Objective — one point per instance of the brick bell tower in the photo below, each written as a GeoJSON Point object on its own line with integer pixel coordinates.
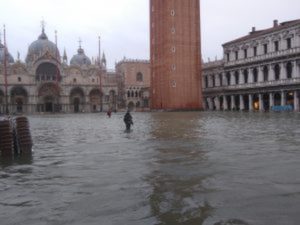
{"type": "Point", "coordinates": [175, 50]}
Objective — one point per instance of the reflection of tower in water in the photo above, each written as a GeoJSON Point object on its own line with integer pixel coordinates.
{"type": "Point", "coordinates": [179, 171]}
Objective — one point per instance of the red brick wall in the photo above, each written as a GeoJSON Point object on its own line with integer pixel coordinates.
{"type": "Point", "coordinates": [175, 54]}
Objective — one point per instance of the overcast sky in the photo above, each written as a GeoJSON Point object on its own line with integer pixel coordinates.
{"type": "Point", "coordinates": [124, 24]}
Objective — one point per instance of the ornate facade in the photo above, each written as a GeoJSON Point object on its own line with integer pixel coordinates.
{"type": "Point", "coordinates": [46, 83]}
{"type": "Point", "coordinates": [260, 71]}
{"type": "Point", "coordinates": [136, 83]}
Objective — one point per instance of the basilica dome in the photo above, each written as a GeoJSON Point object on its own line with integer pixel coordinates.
{"type": "Point", "coordinates": [39, 47]}
{"type": "Point", "coordinates": [10, 59]}
{"type": "Point", "coordinates": [80, 59]}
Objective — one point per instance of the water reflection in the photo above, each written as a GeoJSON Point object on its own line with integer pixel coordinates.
{"type": "Point", "coordinates": [177, 178]}
{"type": "Point", "coordinates": [26, 159]}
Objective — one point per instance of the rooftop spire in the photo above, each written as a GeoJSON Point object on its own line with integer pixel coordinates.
{"type": "Point", "coordinates": [43, 24]}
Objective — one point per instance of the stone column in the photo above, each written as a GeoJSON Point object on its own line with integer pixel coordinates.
{"type": "Point", "coordinates": [225, 103]}
{"type": "Point", "coordinates": [250, 76]}
{"type": "Point", "coordinates": [242, 78]}
{"type": "Point", "coordinates": [283, 74]}
{"type": "Point", "coordinates": [296, 101]}
{"type": "Point", "coordinates": [271, 73]}
{"type": "Point", "coordinates": [210, 103]}
{"type": "Point", "coordinates": [242, 103]}
{"type": "Point", "coordinates": [260, 74]}
{"type": "Point", "coordinates": [283, 98]}
{"type": "Point", "coordinates": [217, 103]}
{"type": "Point", "coordinates": [261, 103]}
{"type": "Point", "coordinates": [232, 102]}
{"type": "Point", "coordinates": [250, 102]}
{"type": "Point", "coordinates": [232, 78]}
{"type": "Point", "coordinates": [296, 72]}
{"type": "Point", "coordinates": [271, 99]}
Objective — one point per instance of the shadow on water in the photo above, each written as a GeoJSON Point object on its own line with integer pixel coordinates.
{"type": "Point", "coordinates": [177, 178]}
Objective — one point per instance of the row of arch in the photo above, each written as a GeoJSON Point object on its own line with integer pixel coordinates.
{"type": "Point", "coordinates": [234, 78]}
{"type": "Point", "coordinates": [254, 102]}
{"type": "Point", "coordinates": [49, 98]}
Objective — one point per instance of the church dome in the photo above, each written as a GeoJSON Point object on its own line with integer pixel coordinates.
{"type": "Point", "coordinates": [10, 59]}
{"type": "Point", "coordinates": [80, 59]}
{"type": "Point", "coordinates": [39, 47]}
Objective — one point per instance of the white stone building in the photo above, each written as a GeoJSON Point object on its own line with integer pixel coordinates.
{"type": "Point", "coordinates": [260, 71]}
{"type": "Point", "coordinates": [47, 83]}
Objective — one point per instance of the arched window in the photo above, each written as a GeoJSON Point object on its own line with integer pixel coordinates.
{"type": "Point", "coordinates": [277, 72]}
{"type": "Point", "coordinates": [237, 77]}
{"type": "Point", "coordinates": [74, 80]}
{"type": "Point", "coordinates": [139, 77]}
{"type": "Point", "coordinates": [136, 94]}
{"type": "Point", "coordinates": [132, 94]}
{"type": "Point", "coordinates": [246, 76]}
{"type": "Point", "coordinates": [255, 75]}
{"type": "Point", "coordinates": [228, 78]}
{"type": "Point", "coordinates": [19, 79]}
{"type": "Point", "coordinates": [206, 82]}
{"type": "Point", "coordinates": [213, 81]}
{"type": "Point", "coordinates": [289, 70]}
{"type": "Point", "coordinates": [266, 73]}
{"type": "Point", "coordinates": [128, 94]}
{"type": "Point", "coordinates": [221, 80]}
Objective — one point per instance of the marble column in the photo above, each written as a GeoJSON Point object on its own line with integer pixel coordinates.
{"type": "Point", "coordinates": [271, 99]}
{"type": "Point", "coordinates": [271, 73]}
{"type": "Point", "coordinates": [260, 74]}
{"type": "Point", "coordinates": [250, 76]}
{"type": "Point", "coordinates": [210, 104]}
{"type": "Point", "coordinates": [261, 102]}
{"type": "Point", "coordinates": [232, 78]}
{"type": "Point", "coordinates": [283, 74]}
{"type": "Point", "coordinates": [283, 98]}
{"type": "Point", "coordinates": [232, 102]}
{"type": "Point", "coordinates": [225, 103]}
{"type": "Point", "coordinates": [217, 103]}
{"type": "Point", "coordinates": [242, 103]}
{"type": "Point", "coordinates": [241, 77]}
{"type": "Point", "coordinates": [296, 101]}
{"type": "Point", "coordinates": [250, 102]}
{"type": "Point", "coordinates": [296, 69]}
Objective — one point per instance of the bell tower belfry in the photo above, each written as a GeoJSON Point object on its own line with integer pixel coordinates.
{"type": "Point", "coordinates": [175, 50]}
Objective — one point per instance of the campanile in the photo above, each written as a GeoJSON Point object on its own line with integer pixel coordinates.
{"type": "Point", "coordinates": [175, 55]}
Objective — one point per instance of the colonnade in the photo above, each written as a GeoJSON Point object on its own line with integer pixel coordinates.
{"type": "Point", "coordinates": [254, 101]}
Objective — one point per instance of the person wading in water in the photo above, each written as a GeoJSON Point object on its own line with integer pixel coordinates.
{"type": "Point", "coordinates": [128, 120]}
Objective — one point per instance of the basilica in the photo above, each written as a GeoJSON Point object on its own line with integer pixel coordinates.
{"type": "Point", "coordinates": [47, 83]}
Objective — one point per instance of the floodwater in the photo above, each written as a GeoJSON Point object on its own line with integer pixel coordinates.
{"type": "Point", "coordinates": [191, 168]}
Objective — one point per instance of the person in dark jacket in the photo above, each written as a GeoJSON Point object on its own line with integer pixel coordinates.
{"type": "Point", "coordinates": [128, 120]}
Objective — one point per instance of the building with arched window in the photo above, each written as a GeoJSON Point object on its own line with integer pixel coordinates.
{"type": "Point", "coordinates": [136, 77]}
{"type": "Point", "coordinates": [47, 83]}
{"type": "Point", "coordinates": [267, 77]}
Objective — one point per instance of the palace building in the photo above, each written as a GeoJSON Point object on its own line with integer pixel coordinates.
{"type": "Point", "coordinates": [260, 71]}
{"type": "Point", "coordinates": [175, 55]}
{"type": "Point", "coordinates": [47, 83]}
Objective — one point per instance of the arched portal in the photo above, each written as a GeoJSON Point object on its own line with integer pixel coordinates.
{"type": "Point", "coordinates": [77, 99]}
{"type": "Point", "coordinates": [49, 96]}
{"type": "Point", "coordinates": [290, 98]}
{"type": "Point", "coordinates": [246, 102]}
{"type": "Point", "coordinates": [19, 99]}
{"type": "Point", "coordinates": [256, 102]}
{"type": "Point", "coordinates": [130, 106]}
{"type": "Point", "coordinates": [95, 98]}
{"type": "Point", "coordinates": [266, 102]}
{"type": "Point", "coordinates": [277, 99]}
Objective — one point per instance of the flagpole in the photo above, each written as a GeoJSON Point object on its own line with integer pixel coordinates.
{"type": "Point", "coordinates": [5, 71]}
